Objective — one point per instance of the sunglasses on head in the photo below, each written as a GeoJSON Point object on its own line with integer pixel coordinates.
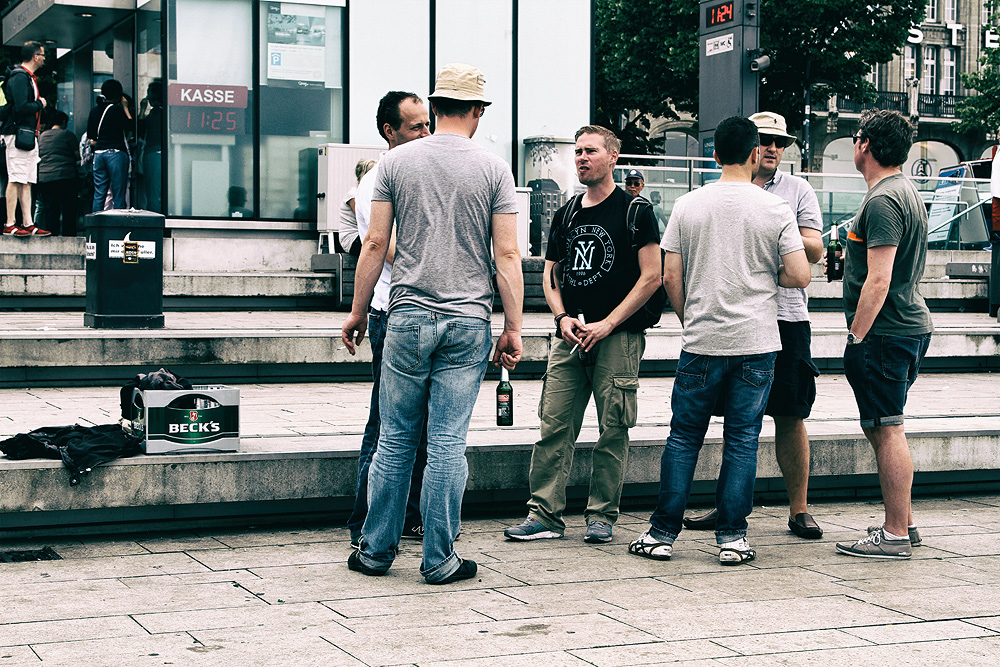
{"type": "Point", "coordinates": [768, 139]}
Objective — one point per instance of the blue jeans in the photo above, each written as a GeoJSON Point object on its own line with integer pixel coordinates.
{"type": "Point", "coordinates": [744, 383]}
{"type": "Point", "coordinates": [110, 171]}
{"type": "Point", "coordinates": [432, 369]}
{"type": "Point", "coordinates": [369, 443]}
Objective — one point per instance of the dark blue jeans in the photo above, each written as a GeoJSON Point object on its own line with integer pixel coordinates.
{"type": "Point", "coordinates": [110, 171]}
{"type": "Point", "coordinates": [881, 370]}
{"type": "Point", "coordinates": [369, 443]}
{"type": "Point", "coordinates": [744, 383]}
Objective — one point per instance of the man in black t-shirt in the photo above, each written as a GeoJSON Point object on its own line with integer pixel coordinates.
{"type": "Point", "coordinates": [598, 275]}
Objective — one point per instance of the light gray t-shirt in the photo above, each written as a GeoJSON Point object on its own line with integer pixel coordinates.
{"type": "Point", "coordinates": [793, 304]}
{"type": "Point", "coordinates": [731, 237]}
{"type": "Point", "coordinates": [444, 190]}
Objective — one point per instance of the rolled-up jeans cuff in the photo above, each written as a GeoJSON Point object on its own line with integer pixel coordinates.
{"type": "Point", "coordinates": [373, 563]}
{"type": "Point", "coordinates": [442, 570]}
{"type": "Point", "coordinates": [662, 536]}
{"type": "Point", "coordinates": [729, 536]}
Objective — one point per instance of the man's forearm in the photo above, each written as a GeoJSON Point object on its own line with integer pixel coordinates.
{"type": "Point", "coordinates": [634, 300]}
{"type": "Point", "coordinates": [366, 275]}
{"type": "Point", "coordinates": [869, 304]}
{"type": "Point", "coordinates": [675, 292]}
{"type": "Point", "coordinates": [510, 283]}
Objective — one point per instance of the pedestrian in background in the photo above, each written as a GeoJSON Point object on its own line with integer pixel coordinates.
{"type": "Point", "coordinates": [347, 236]}
{"type": "Point", "coordinates": [106, 129]}
{"type": "Point", "coordinates": [58, 164]}
{"type": "Point", "coordinates": [20, 134]}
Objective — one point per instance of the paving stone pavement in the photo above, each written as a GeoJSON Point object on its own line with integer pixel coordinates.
{"type": "Point", "coordinates": [284, 596]}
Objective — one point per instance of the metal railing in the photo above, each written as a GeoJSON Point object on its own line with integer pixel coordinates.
{"type": "Point", "coordinates": [840, 194]}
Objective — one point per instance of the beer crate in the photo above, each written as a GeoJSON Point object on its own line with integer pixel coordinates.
{"type": "Point", "coordinates": [205, 418]}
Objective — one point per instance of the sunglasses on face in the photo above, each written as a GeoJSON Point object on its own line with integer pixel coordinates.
{"type": "Point", "coordinates": [856, 138]}
{"type": "Point", "coordinates": [768, 139]}
{"type": "Point", "coordinates": [632, 183]}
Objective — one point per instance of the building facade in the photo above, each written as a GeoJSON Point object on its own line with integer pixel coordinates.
{"type": "Point", "coordinates": [234, 97]}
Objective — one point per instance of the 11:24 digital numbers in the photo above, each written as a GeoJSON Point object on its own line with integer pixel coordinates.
{"type": "Point", "coordinates": [718, 14]}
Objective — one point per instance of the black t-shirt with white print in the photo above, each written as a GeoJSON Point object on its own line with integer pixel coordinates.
{"type": "Point", "coordinates": [598, 264]}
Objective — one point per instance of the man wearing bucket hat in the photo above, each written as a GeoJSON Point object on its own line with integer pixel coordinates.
{"type": "Point", "coordinates": [453, 201]}
{"type": "Point", "coordinates": [794, 389]}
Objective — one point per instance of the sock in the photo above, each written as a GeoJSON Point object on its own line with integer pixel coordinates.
{"type": "Point", "coordinates": [890, 536]}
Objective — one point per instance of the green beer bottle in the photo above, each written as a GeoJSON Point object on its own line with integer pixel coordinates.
{"type": "Point", "coordinates": [505, 400]}
{"type": "Point", "coordinates": [834, 256]}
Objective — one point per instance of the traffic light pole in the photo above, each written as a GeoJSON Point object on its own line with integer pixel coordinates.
{"type": "Point", "coordinates": [730, 62]}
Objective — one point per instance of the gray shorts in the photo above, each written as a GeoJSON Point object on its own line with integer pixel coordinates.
{"type": "Point", "coordinates": [22, 166]}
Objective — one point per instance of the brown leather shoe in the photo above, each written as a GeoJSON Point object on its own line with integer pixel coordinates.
{"type": "Point", "coordinates": [805, 526]}
{"type": "Point", "coordinates": [702, 522]}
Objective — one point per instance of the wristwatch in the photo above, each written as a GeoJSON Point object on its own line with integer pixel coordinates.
{"type": "Point", "coordinates": [853, 339]}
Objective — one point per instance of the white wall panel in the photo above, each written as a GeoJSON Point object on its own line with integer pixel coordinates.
{"type": "Point", "coordinates": [390, 50]}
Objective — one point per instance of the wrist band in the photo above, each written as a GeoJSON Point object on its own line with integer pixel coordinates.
{"type": "Point", "coordinates": [559, 317]}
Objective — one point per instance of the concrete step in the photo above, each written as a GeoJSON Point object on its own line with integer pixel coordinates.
{"type": "Point", "coordinates": [55, 348]}
{"type": "Point", "coordinates": [300, 445]}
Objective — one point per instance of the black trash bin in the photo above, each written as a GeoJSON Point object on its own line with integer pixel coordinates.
{"type": "Point", "coordinates": [124, 270]}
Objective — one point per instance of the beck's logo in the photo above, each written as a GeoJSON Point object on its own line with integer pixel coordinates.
{"type": "Point", "coordinates": [193, 415]}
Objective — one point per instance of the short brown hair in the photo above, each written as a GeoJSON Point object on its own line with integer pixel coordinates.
{"type": "Point", "coordinates": [612, 143]}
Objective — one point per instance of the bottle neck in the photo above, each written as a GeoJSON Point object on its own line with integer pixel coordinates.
{"type": "Point", "coordinates": [504, 375]}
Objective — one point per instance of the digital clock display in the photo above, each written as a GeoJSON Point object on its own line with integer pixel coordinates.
{"type": "Point", "coordinates": [719, 14]}
{"type": "Point", "coordinates": [207, 120]}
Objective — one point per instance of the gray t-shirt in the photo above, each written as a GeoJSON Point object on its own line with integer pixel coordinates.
{"type": "Point", "coordinates": [793, 304]}
{"type": "Point", "coordinates": [892, 213]}
{"type": "Point", "coordinates": [444, 190]}
{"type": "Point", "coordinates": [731, 237]}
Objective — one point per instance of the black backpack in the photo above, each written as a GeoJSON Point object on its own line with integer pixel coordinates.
{"type": "Point", "coordinates": [651, 311]}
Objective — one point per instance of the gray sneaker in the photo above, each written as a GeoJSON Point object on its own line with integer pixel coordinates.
{"type": "Point", "coordinates": [915, 540]}
{"type": "Point", "coordinates": [531, 529]}
{"type": "Point", "coordinates": [598, 532]}
{"type": "Point", "coordinates": [875, 545]}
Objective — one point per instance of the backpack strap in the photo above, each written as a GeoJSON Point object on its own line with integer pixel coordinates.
{"type": "Point", "coordinates": [635, 207]}
{"type": "Point", "coordinates": [562, 225]}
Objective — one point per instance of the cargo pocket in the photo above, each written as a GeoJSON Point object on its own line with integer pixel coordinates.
{"type": "Point", "coordinates": [622, 409]}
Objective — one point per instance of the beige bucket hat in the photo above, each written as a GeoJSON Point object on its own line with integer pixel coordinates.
{"type": "Point", "coordinates": [458, 81]}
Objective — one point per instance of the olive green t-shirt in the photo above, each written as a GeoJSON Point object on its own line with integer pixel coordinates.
{"type": "Point", "coordinates": [892, 213]}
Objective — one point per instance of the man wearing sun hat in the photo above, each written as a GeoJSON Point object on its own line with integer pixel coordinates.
{"type": "Point", "coordinates": [453, 202]}
{"type": "Point", "coordinates": [794, 389]}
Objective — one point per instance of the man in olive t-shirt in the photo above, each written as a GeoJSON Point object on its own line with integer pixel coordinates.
{"type": "Point", "coordinates": [889, 323]}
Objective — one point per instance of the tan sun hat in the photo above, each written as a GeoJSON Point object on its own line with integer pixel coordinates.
{"type": "Point", "coordinates": [458, 81]}
{"type": "Point", "coordinates": [771, 123]}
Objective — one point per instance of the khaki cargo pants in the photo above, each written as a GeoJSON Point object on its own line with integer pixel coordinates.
{"type": "Point", "coordinates": [613, 381]}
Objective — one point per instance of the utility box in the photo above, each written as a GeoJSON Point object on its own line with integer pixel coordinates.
{"type": "Point", "coordinates": [124, 262]}
{"type": "Point", "coordinates": [205, 418]}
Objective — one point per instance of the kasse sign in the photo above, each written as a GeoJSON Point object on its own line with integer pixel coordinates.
{"type": "Point", "coordinates": [207, 95]}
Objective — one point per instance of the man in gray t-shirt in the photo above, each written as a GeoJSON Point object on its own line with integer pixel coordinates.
{"type": "Point", "coordinates": [794, 389]}
{"type": "Point", "coordinates": [453, 201]}
{"type": "Point", "coordinates": [728, 247]}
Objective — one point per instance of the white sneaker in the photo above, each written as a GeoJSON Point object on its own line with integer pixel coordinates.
{"type": "Point", "coordinates": [736, 552]}
{"type": "Point", "coordinates": [648, 546]}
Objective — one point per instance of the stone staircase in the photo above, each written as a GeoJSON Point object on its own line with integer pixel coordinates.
{"type": "Point", "coordinates": [284, 274]}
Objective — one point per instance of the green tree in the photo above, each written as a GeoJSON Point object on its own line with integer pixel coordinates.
{"type": "Point", "coordinates": [647, 55]}
{"type": "Point", "coordinates": [982, 111]}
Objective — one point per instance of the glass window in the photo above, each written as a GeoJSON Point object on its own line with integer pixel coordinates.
{"type": "Point", "coordinates": [951, 11]}
{"type": "Point", "coordinates": [948, 72]}
{"type": "Point", "coordinates": [209, 93]}
{"type": "Point", "coordinates": [909, 64]}
{"type": "Point", "coordinates": [151, 120]}
{"type": "Point", "coordinates": [931, 14]}
{"type": "Point", "coordinates": [301, 100]}
{"type": "Point", "coordinates": [929, 79]}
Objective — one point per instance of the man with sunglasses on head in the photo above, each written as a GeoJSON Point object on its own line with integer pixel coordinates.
{"type": "Point", "coordinates": [794, 389]}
